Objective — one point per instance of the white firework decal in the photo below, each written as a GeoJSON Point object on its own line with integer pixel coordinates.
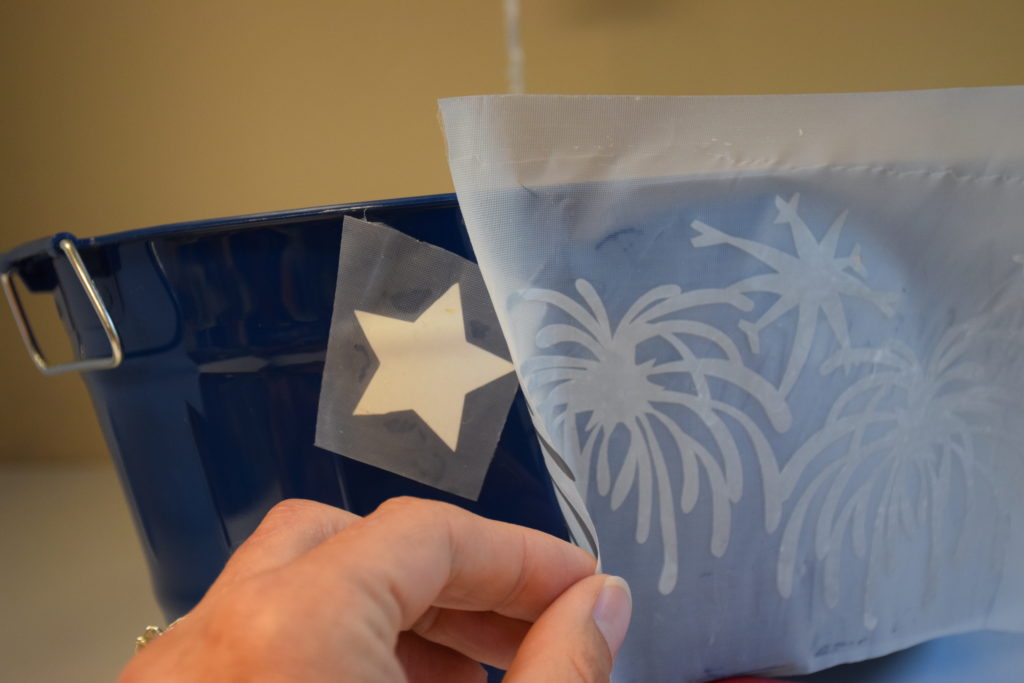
{"type": "Point", "coordinates": [906, 434]}
{"type": "Point", "coordinates": [595, 377]}
{"type": "Point", "coordinates": [811, 281]}
{"type": "Point", "coordinates": [903, 438]}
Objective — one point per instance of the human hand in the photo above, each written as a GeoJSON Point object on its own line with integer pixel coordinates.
{"type": "Point", "coordinates": [417, 590]}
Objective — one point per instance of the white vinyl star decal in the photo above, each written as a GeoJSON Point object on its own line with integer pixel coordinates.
{"type": "Point", "coordinates": [427, 366]}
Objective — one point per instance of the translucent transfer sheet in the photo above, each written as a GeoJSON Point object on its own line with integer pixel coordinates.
{"type": "Point", "coordinates": [775, 346]}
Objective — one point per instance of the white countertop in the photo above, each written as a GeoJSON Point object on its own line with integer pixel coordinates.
{"type": "Point", "coordinates": [74, 587]}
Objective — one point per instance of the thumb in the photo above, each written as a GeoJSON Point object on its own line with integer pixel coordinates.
{"type": "Point", "coordinates": [577, 636]}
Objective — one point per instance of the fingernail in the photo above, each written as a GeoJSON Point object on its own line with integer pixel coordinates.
{"type": "Point", "coordinates": [612, 610]}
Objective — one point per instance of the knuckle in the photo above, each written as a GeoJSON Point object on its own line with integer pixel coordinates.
{"type": "Point", "coordinates": [288, 515]}
{"type": "Point", "coordinates": [291, 510]}
{"type": "Point", "coordinates": [419, 515]}
{"type": "Point", "coordinates": [521, 581]}
{"type": "Point", "coordinates": [402, 504]}
{"type": "Point", "coordinates": [413, 507]}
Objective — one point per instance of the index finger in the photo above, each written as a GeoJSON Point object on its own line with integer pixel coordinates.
{"type": "Point", "coordinates": [411, 554]}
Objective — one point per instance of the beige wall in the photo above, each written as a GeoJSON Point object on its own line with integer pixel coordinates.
{"type": "Point", "coordinates": [121, 114]}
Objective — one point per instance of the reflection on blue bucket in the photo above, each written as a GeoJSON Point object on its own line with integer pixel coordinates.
{"type": "Point", "coordinates": [210, 416]}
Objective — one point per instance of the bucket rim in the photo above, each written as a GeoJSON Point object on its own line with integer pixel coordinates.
{"type": "Point", "coordinates": [205, 224]}
{"type": "Point", "coordinates": [46, 245]}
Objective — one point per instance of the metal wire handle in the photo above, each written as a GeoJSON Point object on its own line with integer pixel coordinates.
{"type": "Point", "coordinates": [82, 365]}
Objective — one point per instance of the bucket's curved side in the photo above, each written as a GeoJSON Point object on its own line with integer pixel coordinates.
{"type": "Point", "coordinates": [210, 418]}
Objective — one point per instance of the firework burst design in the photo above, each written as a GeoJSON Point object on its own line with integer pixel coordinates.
{"type": "Point", "coordinates": [590, 379]}
{"type": "Point", "coordinates": [908, 432]}
{"type": "Point", "coordinates": [812, 281]}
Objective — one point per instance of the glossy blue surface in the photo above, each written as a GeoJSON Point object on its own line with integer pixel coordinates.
{"type": "Point", "coordinates": [211, 416]}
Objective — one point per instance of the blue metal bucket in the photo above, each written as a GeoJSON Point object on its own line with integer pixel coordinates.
{"type": "Point", "coordinates": [202, 346]}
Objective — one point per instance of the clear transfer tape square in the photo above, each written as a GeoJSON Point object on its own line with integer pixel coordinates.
{"type": "Point", "coordinates": [417, 379]}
